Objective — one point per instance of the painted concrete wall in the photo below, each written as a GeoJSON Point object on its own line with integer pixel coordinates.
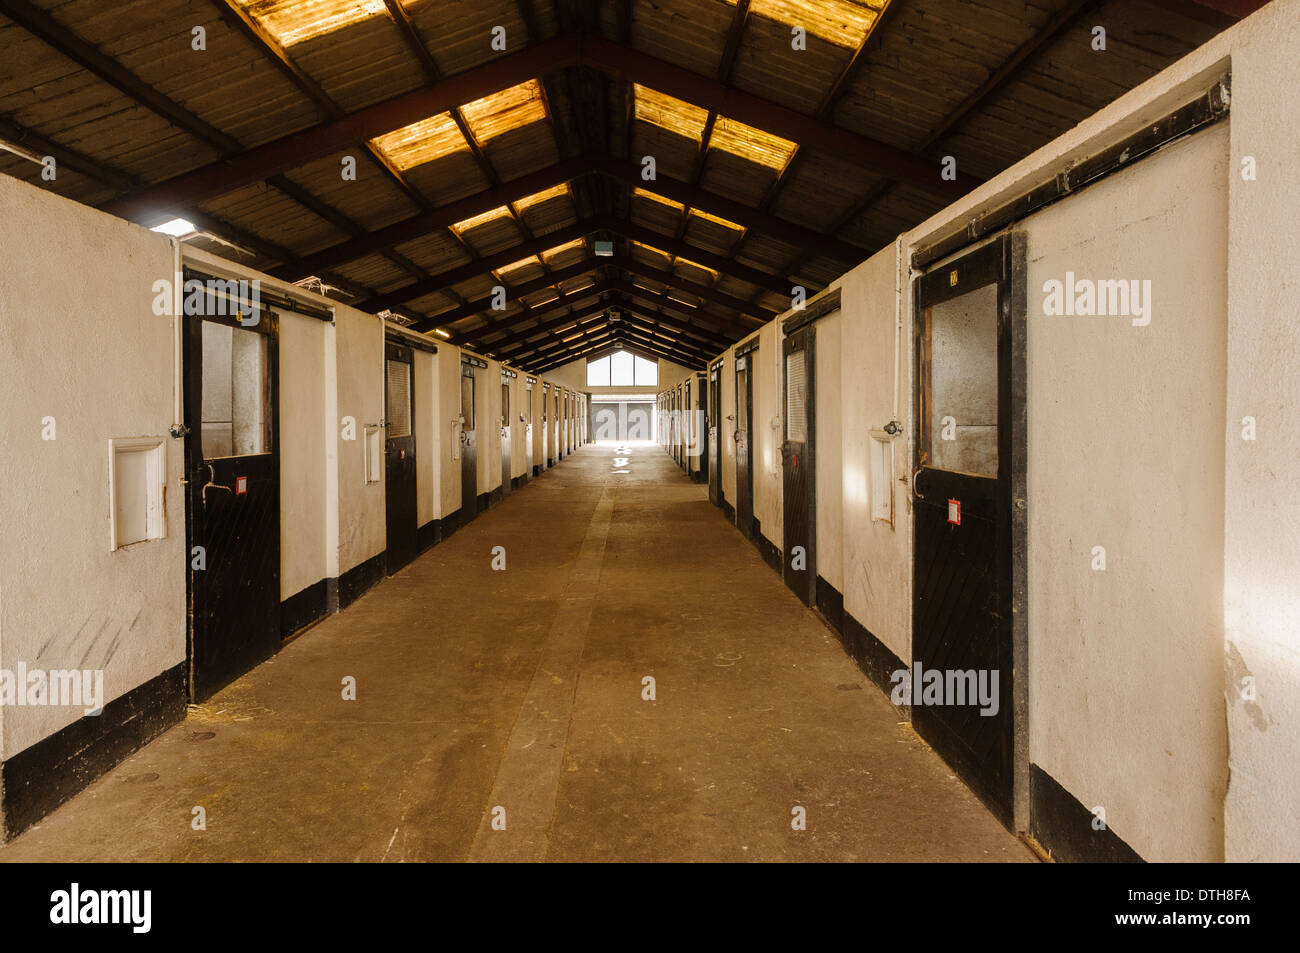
{"type": "Point", "coordinates": [1126, 452]}
{"type": "Point", "coordinates": [828, 469]}
{"type": "Point", "coordinates": [875, 389]}
{"type": "Point", "coordinates": [428, 435]}
{"type": "Point", "coordinates": [767, 432]}
{"type": "Point", "coordinates": [448, 410]}
{"type": "Point", "coordinates": [80, 343]}
{"type": "Point", "coordinates": [303, 499]}
{"type": "Point", "coordinates": [518, 424]}
{"type": "Point", "coordinates": [727, 425]}
{"type": "Point", "coordinates": [1261, 542]}
{"type": "Point", "coordinates": [360, 350]}
{"type": "Point", "coordinates": [1262, 539]}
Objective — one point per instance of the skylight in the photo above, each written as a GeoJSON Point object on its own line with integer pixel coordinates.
{"type": "Point", "coordinates": [559, 249]}
{"type": "Point", "coordinates": [655, 197]}
{"type": "Point", "coordinates": [176, 228]}
{"type": "Point", "coordinates": [491, 215]}
{"type": "Point", "coordinates": [422, 141]}
{"type": "Point", "coordinates": [727, 134]}
{"type": "Point", "coordinates": [670, 113]}
{"type": "Point", "coordinates": [537, 198]}
{"type": "Point", "coordinates": [842, 22]}
{"type": "Point", "coordinates": [515, 266]}
{"type": "Point", "coordinates": [752, 144]}
{"type": "Point", "coordinates": [293, 21]}
{"type": "Point", "coordinates": [501, 112]}
{"type": "Point", "coordinates": [721, 221]}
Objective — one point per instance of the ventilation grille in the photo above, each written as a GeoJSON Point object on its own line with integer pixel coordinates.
{"type": "Point", "coordinates": [399, 399]}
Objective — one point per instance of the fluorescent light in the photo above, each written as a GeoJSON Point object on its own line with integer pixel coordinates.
{"type": "Point", "coordinates": [176, 227]}
{"type": "Point", "coordinates": [441, 333]}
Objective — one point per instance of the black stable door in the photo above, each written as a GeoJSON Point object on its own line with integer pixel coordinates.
{"type": "Point", "coordinates": [233, 494]}
{"type": "Point", "coordinates": [961, 486]}
{"type": "Point", "coordinates": [401, 516]}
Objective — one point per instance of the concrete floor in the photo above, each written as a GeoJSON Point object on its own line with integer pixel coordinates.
{"type": "Point", "coordinates": [522, 690]}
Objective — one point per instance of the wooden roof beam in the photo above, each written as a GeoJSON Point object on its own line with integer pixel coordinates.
{"type": "Point", "coordinates": [296, 149]}
{"type": "Point", "coordinates": [808, 131]}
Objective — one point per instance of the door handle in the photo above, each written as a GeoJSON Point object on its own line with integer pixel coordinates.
{"type": "Point", "coordinates": [916, 475]}
{"type": "Point", "coordinates": [213, 485]}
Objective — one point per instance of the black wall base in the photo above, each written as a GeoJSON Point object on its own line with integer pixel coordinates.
{"type": "Point", "coordinates": [770, 551]}
{"type": "Point", "coordinates": [830, 604]}
{"type": "Point", "coordinates": [428, 535]}
{"type": "Point", "coordinates": [1065, 827]}
{"type": "Point", "coordinates": [352, 584]}
{"type": "Point", "coordinates": [303, 608]}
{"type": "Point", "coordinates": [38, 779]}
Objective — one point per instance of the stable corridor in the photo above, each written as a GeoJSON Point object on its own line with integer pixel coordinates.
{"type": "Point", "coordinates": [479, 688]}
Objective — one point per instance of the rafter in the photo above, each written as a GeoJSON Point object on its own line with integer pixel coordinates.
{"type": "Point", "coordinates": [521, 343]}
{"type": "Point", "coordinates": [770, 116]}
{"type": "Point", "coordinates": [261, 162]}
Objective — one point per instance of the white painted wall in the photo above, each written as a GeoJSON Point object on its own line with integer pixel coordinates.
{"type": "Point", "coordinates": [768, 432]}
{"type": "Point", "coordinates": [727, 425]}
{"type": "Point", "coordinates": [877, 556]}
{"type": "Point", "coordinates": [79, 342]}
{"type": "Point", "coordinates": [1262, 538]}
{"type": "Point", "coordinates": [1126, 452]}
{"type": "Point", "coordinates": [828, 468]}
{"type": "Point", "coordinates": [359, 342]}
{"type": "Point", "coordinates": [428, 435]}
{"type": "Point", "coordinates": [448, 410]}
{"type": "Point", "coordinates": [303, 499]}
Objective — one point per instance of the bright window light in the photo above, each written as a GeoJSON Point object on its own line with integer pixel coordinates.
{"type": "Point", "coordinates": [177, 228]}
{"type": "Point", "coordinates": [621, 369]}
{"type": "Point", "coordinates": [598, 373]}
{"type": "Point", "coordinates": [646, 372]}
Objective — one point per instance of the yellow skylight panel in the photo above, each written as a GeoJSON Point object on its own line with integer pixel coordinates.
{"type": "Point", "coordinates": [475, 221]}
{"type": "Point", "coordinates": [669, 113]}
{"type": "Point", "coordinates": [515, 266]}
{"type": "Point", "coordinates": [652, 250]}
{"type": "Point", "coordinates": [537, 198]}
{"type": "Point", "coordinates": [501, 112]}
{"type": "Point", "coordinates": [655, 197]}
{"type": "Point", "coordinates": [421, 142]}
{"type": "Point", "coordinates": [842, 22]}
{"type": "Point", "coordinates": [721, 221]}
{"type": "Point", "coordinates": [559, 249]}
{"type": "Point", "coordinates": [752, 144]}
{"type": "Point", "coordinates": [292, 21]}
{"type": "Point", "coordinates": [704, 268]}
